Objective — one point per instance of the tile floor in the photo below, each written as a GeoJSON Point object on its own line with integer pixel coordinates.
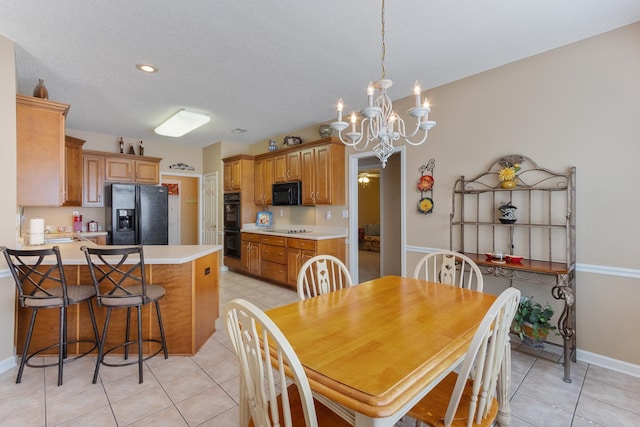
{"type": "Point", "coordinates": [202, 390]}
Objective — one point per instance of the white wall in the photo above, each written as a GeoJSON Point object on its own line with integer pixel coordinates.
{"type": "Point", "coordinates": [8, 198]}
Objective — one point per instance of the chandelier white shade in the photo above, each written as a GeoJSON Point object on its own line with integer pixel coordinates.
{"type": "Point", "coordinates": [380, 125]}
{"type": "Point", "coordinates": [181, 123]}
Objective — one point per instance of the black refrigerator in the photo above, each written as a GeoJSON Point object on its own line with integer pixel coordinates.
{"type": "Point", "coordinates": [136, 214]}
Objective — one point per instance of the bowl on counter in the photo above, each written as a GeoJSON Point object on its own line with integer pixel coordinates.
{"type": "Point", "coordinates": [516, 259]}
{"type": "Point", "coordinates": [498, 257]}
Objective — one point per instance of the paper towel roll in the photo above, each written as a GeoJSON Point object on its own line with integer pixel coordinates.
{"type": "Point", "coordinates": [36, 231]}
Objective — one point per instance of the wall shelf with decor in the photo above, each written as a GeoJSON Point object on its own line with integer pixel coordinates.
{"type": "Point", "coordinates": [531, 221]}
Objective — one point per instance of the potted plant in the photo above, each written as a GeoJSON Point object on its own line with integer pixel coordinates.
{"type": "Point", "coordinates": [532, 320]}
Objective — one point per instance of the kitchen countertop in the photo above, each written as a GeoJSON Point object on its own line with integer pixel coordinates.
{"type": "Point", "coordinates": [312, 234]}
{"type": "Point", "coordinates": [153, 254]}
{"type": "Point", "coordinates": [60, 237]}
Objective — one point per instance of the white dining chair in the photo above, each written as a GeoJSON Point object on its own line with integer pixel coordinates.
{"type": "Point", "coordinates": [468, 398]}
{"type": "Point", "coordinates": [451, 268]}
{"type": "Point", "coordinates": [265, 354]}
{"type": "Point", "coordinates": [322, 274]}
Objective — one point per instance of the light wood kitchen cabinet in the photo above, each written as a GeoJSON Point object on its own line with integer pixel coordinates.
{"type": "Point", "coordinates": [278, 259]}
{"type": "Point", "coordinates": [40, 152]}
{"type": "Point", "coordinates": [273, 258]}
{"type": "Point", "coordinates": [238, 173]}
{"type": "Point", "coordinates": [122, 169]}
{"type": "Point", "coordinates": [146, 172]}
{"type": "Point", "coordinates": [298, 252]}
{"type": "Point", "coordinates": [287, 167]}
{"type": "Point", "coordinates": [100, 166]}
{"type": "Point", "coordinates": [92, 181]}
{"type": "Point", "coordinates": [119, 170]}
{"type": "Point", "coordinates": [263, 180]}
{"type": "Point", "coordinates": [250, 253]}
{"type": "Point", "coordinates": [73, 171]}
{"type": "Point", "coordinates": [323, 176]}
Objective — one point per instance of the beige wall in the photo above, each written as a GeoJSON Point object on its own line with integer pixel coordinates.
{"type": "Point", "coordinates": [369, 202]}
{"type": "Point", "coordinates": [8, 205]}
{"type": "Point", "coordinates": [167, 150]}
{"type": "Point", "coordinates": [573, 106]}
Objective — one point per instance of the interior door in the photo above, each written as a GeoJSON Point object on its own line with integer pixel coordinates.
{"type": "Point", "coordinates": [210, 209]}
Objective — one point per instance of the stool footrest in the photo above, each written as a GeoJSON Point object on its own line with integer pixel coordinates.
{"type": "Point", "coordinates": [65, 360]}
{"type": "Point", "coordinates": [134, 361]}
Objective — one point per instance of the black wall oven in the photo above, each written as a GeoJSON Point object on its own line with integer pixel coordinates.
{"type": "Point", "coordinates": [232, 225]}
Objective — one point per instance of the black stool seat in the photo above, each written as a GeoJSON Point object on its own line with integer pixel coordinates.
{"type": "Point", "coordinates": [119, 279]}
{"type": "Point", "coordinates": [41, 283]}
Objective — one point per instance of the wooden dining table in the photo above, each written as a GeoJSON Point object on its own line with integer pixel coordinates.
{"type": "Point", "coordinates": [380, 346]}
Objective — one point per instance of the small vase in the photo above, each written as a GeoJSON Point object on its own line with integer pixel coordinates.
{"type": "Point", "coordinates": [40, 91]}
{"type": "Point", "coordinates": [509, 183]}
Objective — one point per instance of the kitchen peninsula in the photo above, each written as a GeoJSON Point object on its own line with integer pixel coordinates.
{"type": "Point", "coordinates": [190, 307]}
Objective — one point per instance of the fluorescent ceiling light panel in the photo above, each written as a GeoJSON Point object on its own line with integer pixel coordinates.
{"type": "Point", "coordinates": [181, 123]}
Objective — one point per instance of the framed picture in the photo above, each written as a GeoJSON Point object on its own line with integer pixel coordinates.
{"type": "Point", "coordinates": [264, 219]}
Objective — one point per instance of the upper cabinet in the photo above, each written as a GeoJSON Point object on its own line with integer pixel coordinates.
{"type": "Point", "coordinates": [40, 152]}
{"type": "Point", "coordinates": [323, 178]}
{"type": "Point", "coordinates": [92, 180]}
{"type": "Point", "coordinates": [263, 181]}
{"type": "Point", "coordinates": [319, 165]}
{"type": "Point", "coordinates": [99, 166]}
{"type": "Point", "coordinates": [73, 171]}
{"type": "Point", "coordinates": [287, 167]}
{"type": "Point", "coordinates": [238, 173]}
{"type": "Point", "coordinates": [131, 168]}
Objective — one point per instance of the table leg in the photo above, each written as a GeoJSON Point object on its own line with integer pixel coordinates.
{"type": "Point", "coordinates": [504, 386]}
{"type": "Point", "coordinates": [364, 421]}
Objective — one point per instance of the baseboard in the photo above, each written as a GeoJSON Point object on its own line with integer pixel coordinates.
{"type": "Point", "coordinates": [609, 363]}
{"type": "Point", "coordinates": [7, 363]}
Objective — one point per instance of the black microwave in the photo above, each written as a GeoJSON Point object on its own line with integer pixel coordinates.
{"type": "Point", "coordinates": [287, 194]}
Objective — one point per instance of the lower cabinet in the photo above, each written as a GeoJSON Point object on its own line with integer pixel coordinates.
{"type": "Point", "coordinates": [273, 258]}
{"type": "Point", "coordinates": [250, 253]}
{"type": "Point", "coordinates": [278, 259]}
{"type": "Point", "coordinates": [298, 252]}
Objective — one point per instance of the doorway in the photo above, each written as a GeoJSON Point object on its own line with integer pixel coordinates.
{"type": "Point", "coordinates": [186, 228]}
{"type": "Point", "coordinates": [210, 209]}
{"type": "Point", "coordinates": [369, 171]}
{"type": "Point", "coordinates": [174, 211]}
{"type": "Point", "coordinates": [392, 214]}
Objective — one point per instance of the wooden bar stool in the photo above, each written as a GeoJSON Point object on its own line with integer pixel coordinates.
{"type": "Point", "coordinates": [120, 282]}
{"type": "Point", "coordinates": [41, 283]}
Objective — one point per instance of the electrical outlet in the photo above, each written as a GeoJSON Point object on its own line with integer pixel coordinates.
{"type": "Point", "coordinates": [345, 213]}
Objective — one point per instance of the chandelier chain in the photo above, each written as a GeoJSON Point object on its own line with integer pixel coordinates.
{"type": "Point", "coordinates": [380, 125]}
{"type": "Point", "coordinates": [383, 46]}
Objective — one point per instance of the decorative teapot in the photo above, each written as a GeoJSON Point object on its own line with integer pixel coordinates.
{"type": "Point", "coordinates": [507, 213]}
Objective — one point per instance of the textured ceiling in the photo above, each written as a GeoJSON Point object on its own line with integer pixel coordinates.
{"type": "Point", "coordinates": [271, 66]}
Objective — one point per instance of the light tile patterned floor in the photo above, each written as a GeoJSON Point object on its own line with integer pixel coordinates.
{"type": "Point", "coordinates": [202, 390]}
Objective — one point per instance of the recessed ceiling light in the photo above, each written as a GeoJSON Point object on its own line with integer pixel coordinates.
{"type": "Point", "coordinates": [238, 130]}
{"type": "Point", "coordinates": [146, 68]}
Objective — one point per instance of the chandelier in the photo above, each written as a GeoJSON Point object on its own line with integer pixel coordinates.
{"type": "Point", "coordinates": [380, 123]}
{"type": "Point", "coordinates": [363, 179]}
